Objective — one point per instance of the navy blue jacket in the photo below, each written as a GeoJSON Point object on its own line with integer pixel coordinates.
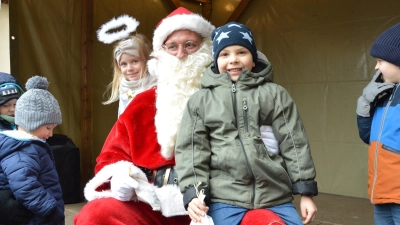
{"type": "Point", "coordinates": [28, 169]}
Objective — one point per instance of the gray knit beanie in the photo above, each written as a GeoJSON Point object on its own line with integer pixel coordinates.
{"type": "Point", "coordinates": [37, 107]}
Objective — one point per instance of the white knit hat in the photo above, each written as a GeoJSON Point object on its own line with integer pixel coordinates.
{"type": "Point", "coordinates": [180, 19]}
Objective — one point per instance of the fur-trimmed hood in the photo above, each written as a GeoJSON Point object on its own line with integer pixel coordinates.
{"type": "Point", "coordinates": [25, 140]}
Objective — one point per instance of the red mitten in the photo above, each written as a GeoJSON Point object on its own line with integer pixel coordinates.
{"type": "Point", "coordinates": [261, 217]}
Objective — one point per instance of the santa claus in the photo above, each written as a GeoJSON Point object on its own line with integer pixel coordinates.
{"type": "Point", "coordinates": [135, 181]}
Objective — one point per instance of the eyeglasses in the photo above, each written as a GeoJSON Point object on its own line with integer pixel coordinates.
{"type": "Point", "coordinates": [173, 47]}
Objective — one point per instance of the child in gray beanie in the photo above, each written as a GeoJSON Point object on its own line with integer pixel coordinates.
{"type": "Point", "coordinates": [27, 162]}
{"type": "Point", "coordinates": [37, 107]}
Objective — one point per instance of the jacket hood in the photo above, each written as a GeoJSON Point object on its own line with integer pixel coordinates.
{"type": "Point", "coordinates": [261, 73]}
{"type": "Point", "coordinates": [14, 140]}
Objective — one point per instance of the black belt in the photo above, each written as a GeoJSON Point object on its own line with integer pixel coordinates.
{"type": "Point", "coordinates": [150, 174]}
{"type": "Point", "coordinates": [162, 176]}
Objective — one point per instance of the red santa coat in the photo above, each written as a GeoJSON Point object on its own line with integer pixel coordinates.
{"type": "Point", "coordinates": [133, 137]}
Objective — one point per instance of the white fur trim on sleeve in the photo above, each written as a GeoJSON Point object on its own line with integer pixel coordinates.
{"type": "Point", "coordinates": [104, 176]}
{"type": "Point", "coordinates": [168, 198]}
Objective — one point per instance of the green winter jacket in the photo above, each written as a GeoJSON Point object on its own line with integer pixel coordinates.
{"type": "Point", "coordinates": [219, 142]}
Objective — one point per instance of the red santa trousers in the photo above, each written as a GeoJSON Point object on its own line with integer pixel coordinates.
{"type": "Point", "coordinates": [110, 211]}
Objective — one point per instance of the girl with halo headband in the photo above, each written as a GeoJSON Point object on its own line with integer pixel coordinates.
{"type": "Point", "coordinates": [130, 56]}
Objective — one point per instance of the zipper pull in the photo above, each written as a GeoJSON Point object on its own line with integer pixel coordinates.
{"type": "Point", "coordinates": [244, 104]}
{"type": "Point", "coordinates": [233, 88]}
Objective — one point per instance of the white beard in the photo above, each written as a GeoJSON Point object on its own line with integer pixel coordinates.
{"type": "Point", "coordinates": [177, 81]}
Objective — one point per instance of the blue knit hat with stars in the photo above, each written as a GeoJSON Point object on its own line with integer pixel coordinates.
{"type": "Point", "coordinates": [233, 33]}
{"type": "Point", "coordinates": [9, 88]}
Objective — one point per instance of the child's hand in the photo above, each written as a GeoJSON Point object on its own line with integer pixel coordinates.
{"type": "Point", "coordinates": [196, 209]}
{"type": "Point", "coordinates": [308, 209]}
{"type": "Point", "coordinates": [371, 93]}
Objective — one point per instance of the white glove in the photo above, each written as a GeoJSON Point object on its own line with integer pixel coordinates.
{"type": "Point", "coordinates": [123, 185]}
{"type": "Point", "coordinates": [269, 139]}
{"type": "Point", "coordinates": [146, 193]}
{"type": "Point", "coordinates": [171, 200]}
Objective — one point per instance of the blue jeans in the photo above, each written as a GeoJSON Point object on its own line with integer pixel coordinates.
{"type": "Point", "coordinates": [387, 214]}
{"type": "Point", "coordinates": [223, 214]}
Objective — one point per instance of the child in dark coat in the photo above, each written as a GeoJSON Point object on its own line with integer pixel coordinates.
{"type": "Point", "coordinates": [27, 165]}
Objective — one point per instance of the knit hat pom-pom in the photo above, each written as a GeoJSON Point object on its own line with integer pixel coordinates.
{"type": "Point", "coordinates": [37, 82]}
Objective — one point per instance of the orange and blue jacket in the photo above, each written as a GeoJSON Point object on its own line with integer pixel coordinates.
{"type": "Point", "coordinates": [382, 132]}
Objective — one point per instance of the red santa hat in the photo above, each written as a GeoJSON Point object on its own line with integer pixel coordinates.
{"type": "Point", "coordinates": [180, 19]}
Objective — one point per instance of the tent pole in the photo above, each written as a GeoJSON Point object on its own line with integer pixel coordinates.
{"type": "Point", "coordinates": [87, 93]}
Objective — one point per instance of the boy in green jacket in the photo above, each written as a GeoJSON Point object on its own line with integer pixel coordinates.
{"type": "Point", "coordinates": [219, 145]}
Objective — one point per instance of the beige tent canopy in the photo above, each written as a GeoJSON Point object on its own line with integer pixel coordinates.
{"type": "Point", "coordinates": [319, 50]}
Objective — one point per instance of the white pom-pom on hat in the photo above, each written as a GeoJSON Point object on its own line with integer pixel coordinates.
{"type": "Point", "coordinates": [37, 82]}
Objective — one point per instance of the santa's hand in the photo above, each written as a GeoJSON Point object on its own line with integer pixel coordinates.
{"type": "Point", "coordinates": [123, 186]}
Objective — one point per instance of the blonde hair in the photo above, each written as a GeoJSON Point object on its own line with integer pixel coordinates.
{"type": "Point", "coordinates": [144, 49]}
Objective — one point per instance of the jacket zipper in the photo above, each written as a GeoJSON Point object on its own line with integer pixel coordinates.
{"type": "Point", "coordinates": [246, 123]}
{"type": "Point", "coordinates": [192, 145]}
{"type": "Point", "coordinates": [241, 144]}
{"type": "Point", "coordinates": [378, 141]}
